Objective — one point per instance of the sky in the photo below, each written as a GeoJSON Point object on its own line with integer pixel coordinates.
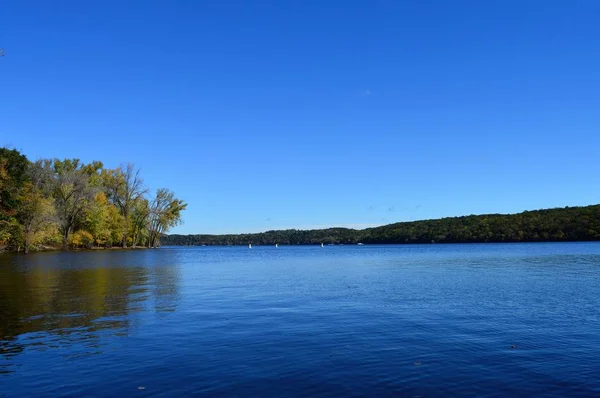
{"type": "Point", "coordinates": [309, 114]}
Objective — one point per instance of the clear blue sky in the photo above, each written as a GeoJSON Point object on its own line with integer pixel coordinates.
{"type": "Point", "coordinates": [281, 114]}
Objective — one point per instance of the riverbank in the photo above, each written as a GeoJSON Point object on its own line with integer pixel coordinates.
{"type": "Point", "coordinates": [569, 224]}
{"type": "Point", "coordinates": [43, 249]}
{"type": "Point", "coordinates": [48, 202]}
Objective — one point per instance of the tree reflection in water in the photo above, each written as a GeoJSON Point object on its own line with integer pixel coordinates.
{"type": "Point", "coordinates": [73, 300]}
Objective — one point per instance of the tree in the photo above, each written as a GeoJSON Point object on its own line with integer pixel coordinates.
{"type": "Point", "coordinates": [81, 238]}
{"type": "Point", "coordinates": [36, 213]}
{"type": "Point", "coordinates": [13, 174]}
{"type": "Point", "coordinates": [116, 225]}
{"type": "Point", "coordinates": [97, 219]}
{"type": "Point", "coordinates": [165, 213]}
{"type": "Point", "coordinates": [124, 186]}
{"type": "Point", "coordinates": [568, 224]}
{"type": "Point", "coordinates": [11, 233]}
{"type": "Point", "coordinates": [72, 194]}
{"type": "Point", "coordinates": [35, 209]}
{"type": "Point", "coordinates": [139, 219]}
{"type": "Point", "coordinates": [51, 200]}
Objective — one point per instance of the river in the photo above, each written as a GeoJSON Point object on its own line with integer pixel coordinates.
{"type": "Point", "coordinates": [303, 321]}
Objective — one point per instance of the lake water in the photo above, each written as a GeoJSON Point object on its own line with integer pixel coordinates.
{"type": "Point", "coordinates": [338, 321]}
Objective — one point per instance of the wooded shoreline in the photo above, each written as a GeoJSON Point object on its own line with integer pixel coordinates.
{"type": "Point", "coordinates": [50, 249]}
{"type": "Point", "coordinates": [569, 224]}
{"type": "Point", "coordinates": [69, 204]}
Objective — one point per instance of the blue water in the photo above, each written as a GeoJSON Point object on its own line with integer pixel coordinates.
{"type": "Point", "coordinates": [338, 321]}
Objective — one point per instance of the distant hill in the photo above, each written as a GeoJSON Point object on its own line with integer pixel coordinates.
{"type": "Point", "coordinates": [549, 225]}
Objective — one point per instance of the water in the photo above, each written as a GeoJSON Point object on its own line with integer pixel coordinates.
{"type": "Point", "coordinates": [338, 321]}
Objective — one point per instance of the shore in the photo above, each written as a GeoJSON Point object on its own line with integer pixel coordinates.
{"type": "Point", "coordinates": [4, 249]}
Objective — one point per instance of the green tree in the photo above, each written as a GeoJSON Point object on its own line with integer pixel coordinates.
{"type": "Point", "coordinates": [13, 175]}
{"type": "Point", "coordinates": [165, 213]}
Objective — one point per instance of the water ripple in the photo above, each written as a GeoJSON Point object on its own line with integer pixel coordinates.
{"type": "Point", "coordinates": [417, 320]}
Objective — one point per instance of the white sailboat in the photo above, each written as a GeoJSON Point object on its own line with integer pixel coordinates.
{"type": "Point", "coordinates": [249, 245]}
{"type": "Point", "coordinates": [322, 245]}
{"type": "Point", "coordinates": [276, 245]}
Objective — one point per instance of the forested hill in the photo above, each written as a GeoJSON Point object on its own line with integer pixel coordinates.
{"type": "Point", "coordinates": [552, 225]}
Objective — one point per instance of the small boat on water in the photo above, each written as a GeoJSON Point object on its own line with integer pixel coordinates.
{"type": "Point", "coordinates": [276, 244]}
{"type": "Point", "coordinates": [249, 245]}
{"type": "Point", "coordinates": [322, 245]}
{"type": "Point", "coordinates": [360, 244]}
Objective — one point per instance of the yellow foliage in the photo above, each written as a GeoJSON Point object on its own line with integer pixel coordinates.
{"type": "Point", "coordinates": [47, 235]}
{"type": "Point", "coordinates": [101, 199]}
{"type": "Point", "coordinates": [81, 238]}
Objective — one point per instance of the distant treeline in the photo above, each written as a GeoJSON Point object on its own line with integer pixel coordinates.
{"type": "Point", "coordinates": [66, 203]}
{"type": "Point", "coordinates": [551, 225]}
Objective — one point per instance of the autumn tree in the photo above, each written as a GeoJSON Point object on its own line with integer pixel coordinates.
{"type": "Point", "coordinates": [72, 194]}
{"type": "Point", "coordinates": [139, 220]}
{"type": "Point", "coordinates": [165, 213]}
{"type": "Point", "coordinates": [79, 204]}
{"type": "Point", "coordinates": [116, 225]}
{"type": "Point", "coordinates": [36, 214]}
{"type": "Point", "coordinates": [124, 187]}
{"type": "Point", "coordinates": [97, 219]}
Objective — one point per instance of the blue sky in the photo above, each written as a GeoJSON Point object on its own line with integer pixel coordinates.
{"type": "Point", "coordinates": [280, 114]}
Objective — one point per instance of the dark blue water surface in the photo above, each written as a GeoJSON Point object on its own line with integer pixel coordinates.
{"type": "Point", "coordinates": [412, 320]}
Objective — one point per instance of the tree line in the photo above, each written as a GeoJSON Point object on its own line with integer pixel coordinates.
{"type": "Point", "coordinates": [550, 225]}
{"type": "Point", "coordinates": [67, 203]}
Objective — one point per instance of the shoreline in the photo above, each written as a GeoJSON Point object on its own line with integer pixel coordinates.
{"type": "Point", "coordinates": [51, 249]}
{"type": "Point", "coordinates": [394, 243]}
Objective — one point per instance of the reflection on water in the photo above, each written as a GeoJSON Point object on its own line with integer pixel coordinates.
{"type": "Point", "coordinates": [165, 288]}
{"type": "Point", "coordinates": [47, 304]}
